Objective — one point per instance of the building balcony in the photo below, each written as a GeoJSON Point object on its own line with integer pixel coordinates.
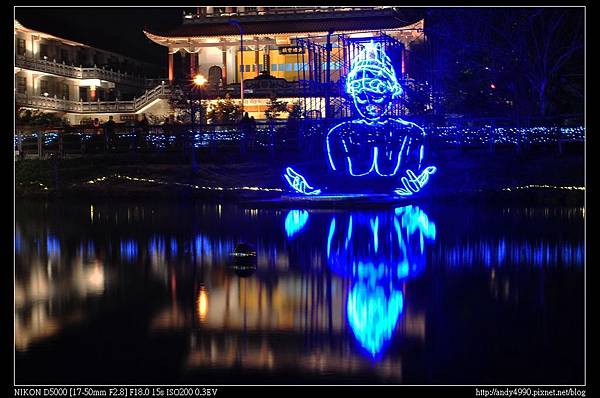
{"type": "Point", "coordinates": [76, 72]}
{"type": "Point", "coordinates": [283, 13]}
{"type": "Point", "coordinates": [64, 105]}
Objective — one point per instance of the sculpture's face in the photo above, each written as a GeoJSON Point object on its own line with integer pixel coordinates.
{"type": "Point", "coordinates": [372, 105]}
{"type": "Point", "coordinates": [372, 83]}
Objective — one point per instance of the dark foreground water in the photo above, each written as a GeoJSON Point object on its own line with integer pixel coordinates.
{"type": "Point", "coordinates": [151, 294]}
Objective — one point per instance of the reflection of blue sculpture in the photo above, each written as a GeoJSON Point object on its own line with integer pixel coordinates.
{"type": "Point", "coordinates": [376, 144]}
{"type": "Point", "coordinates": [397, 240]}
{"type": "Point", "coordinates": [377, 252]}
{"type": "Point", "coordinates": [295, 221]}
{"type": "Point", "coordinates": [373, 309]}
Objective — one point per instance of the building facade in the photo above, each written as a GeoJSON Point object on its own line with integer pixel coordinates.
{"type": "Point", "coordinates": [78, 81]}
{"type": "Point", "coordinates": [229, 45]}
{"type": "Point", "coordinates": [267, 50]}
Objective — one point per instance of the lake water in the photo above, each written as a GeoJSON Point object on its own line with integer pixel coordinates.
{"type": "Point", "coordinates": [126, 293]}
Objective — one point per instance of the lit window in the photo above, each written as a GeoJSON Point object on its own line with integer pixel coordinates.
{"type": "Point", "coordinates": [21, 84]}
{"type": "Point", "coordinates": [288, 67]}
{"type": "Point", "coordinates": [21, 46]}
{"type": "Point", "coordinates": [253, 67]}
{"type": "Point", "coordinates": [281, 67]}
{"type": "Point", "coordinates": [274, 67]}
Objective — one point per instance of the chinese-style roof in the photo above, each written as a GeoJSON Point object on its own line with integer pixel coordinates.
{"type": "Point", "coordinates": [354, 24]}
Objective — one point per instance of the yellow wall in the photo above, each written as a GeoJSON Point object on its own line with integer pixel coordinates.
{"type": "Point", "coordinates": [279, 59]}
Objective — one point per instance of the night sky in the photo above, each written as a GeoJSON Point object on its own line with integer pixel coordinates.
{"type": "Point", "coordinates": [117, 29]}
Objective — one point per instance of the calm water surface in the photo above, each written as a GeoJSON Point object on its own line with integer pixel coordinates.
{"type": "Point", "coordinates": [127, 293]}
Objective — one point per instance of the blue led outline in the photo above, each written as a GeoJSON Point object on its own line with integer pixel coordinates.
{"type": "Point", "coordinates": [298, 183]}
{"type": "Point", "coordinates": [373, 60]}
{"type": "Point", "coordinates": [375, 157]}
{"type": "Point", "coordinates": [415, 183]}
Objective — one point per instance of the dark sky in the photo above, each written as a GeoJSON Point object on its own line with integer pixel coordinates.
{"type": "Point", "coordinates": [117, 29]}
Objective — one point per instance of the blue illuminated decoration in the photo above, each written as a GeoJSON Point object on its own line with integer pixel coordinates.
{"type": "Point", "coordinates": [413, 183]}
{"type": "Point", "coordinates": [298, 183]}
{"type": "Point", "coordinates": [374, 144]}
{"type": "Point", "coordinates": [295, 222]}
{"type": "Point", "coordinates": [397, 240]}
{"type": "Point", "coordinates": [373, 312]}
{"type": "Point", "coordinates": [376, 252]}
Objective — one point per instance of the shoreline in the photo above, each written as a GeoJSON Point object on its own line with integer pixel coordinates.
{"type": "Point", "coordinates": [541, 178]}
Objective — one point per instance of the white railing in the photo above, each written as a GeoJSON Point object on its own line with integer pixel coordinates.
{"type": "Point", "coordinates": [57, 104]}
{"type": "Point", "coordinates": [77, 72]}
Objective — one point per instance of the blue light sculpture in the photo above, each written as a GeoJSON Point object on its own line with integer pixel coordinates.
{"type": "Point", "coordinates": [375, 144]}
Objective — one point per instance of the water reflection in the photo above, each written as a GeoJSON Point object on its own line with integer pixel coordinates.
{"type": "Point", "coordinates": [300, 291]}
{"type": "Point", "coordinates": [377, 251]}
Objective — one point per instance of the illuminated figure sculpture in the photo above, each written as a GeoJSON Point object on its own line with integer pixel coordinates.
{"type": "Point", "coordinates": [377, 252]}
{"type": "Point", "coordinates": [376, 144]}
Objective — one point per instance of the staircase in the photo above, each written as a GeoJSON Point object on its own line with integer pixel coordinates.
{"type": "Point", "coordinates": [55, 104]}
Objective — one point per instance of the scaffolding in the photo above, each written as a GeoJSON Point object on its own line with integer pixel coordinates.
{"type": "Point", "coordinates": [322, 72]}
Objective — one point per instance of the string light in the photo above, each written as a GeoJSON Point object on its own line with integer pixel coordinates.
{"type": "Point", "coordinates": [193, 186]}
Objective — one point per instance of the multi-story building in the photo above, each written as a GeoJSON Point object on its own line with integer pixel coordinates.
{"type": "Point", "coordinates": [270, 51]}
{"type": "Point", "coordinates": [229, 45]}
{"type": "Point", "coordinates": [78, 81]}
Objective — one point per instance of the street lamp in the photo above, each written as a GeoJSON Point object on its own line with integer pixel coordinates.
{"type": "Point", "coordinates": [198, 82]}
{"type": "Point", "coordinates": [235, 22]}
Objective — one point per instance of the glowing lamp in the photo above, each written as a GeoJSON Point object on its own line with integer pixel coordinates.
{"type": "Point", "coordinates": [202, 304]}
{"type": "Point", "coordinates": [199, 80]}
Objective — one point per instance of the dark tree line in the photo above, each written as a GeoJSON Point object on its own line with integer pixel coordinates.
{"type": "Point", "coordinates": [521, 63]}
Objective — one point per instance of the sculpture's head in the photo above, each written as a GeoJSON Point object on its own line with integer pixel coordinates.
{"type": "Point", "coordinates": [372, 82]}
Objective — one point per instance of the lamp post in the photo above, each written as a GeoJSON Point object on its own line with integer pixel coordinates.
{"type": "Point", "coordinates": [198, 82]}
{"type": "Point", "coordinates": [235, 22]}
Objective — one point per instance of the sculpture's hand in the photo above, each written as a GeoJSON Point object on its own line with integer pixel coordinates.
{"type": "Point", "coordinates": [414, 183]}
{"type": "Point", "coordinates": [298, 183]}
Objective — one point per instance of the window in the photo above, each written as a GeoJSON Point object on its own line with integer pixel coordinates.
{"type": "Point", "coordinates": [43, 51]}
{"type": "Point", "coordinates": [288, 67]}
{"type": "Point", "coordinates": [64, 56]}
{"type": "Point", "coordinates": [247, 68]}
{"type": "Point", "coordinates": [21, 46]}
{"type": "Point", "coordinates": [241, 68]}
{"type": "Point", "coordinates": [44, 87]}
{"type": "Point", "coordinates": [253, 67]}
{"type": "Point", "coordinates": [274, 67]}
{"type": "Point", "coordinates": [21, 84]}
{"type": "Point", "coordinates": [65, 91]}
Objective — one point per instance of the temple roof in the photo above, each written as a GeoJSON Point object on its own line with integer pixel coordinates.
{"type": "Point", "coordinates": [252, 28]}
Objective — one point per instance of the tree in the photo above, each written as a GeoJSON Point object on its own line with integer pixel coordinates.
{"type": "Point", "coordinates": [224, 111]}
{"type": "Point", "coordinates": [275, 108]}
{"type": "Point", "coordinates": [293, 120]}
{"type": "Point", "coordinates": [183, 98]}
{"type": "Point", "coordinates": [488, 61]}
{"type": "Point", "coordinates": [40, 120]}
